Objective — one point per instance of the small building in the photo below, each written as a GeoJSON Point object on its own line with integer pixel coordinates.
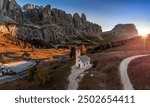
{"type": "Point", "coordinates": [82, 61]}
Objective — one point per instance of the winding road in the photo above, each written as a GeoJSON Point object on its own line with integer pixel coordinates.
{"type": "Point", "coordinates": [20, 68]}
{"type": "Point", "coordinates": [124, 73]}
{"type": "Point", "coordinates": [75, 77]}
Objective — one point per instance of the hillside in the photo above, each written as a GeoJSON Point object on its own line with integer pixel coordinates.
{"type": "Point", "coordinates": [139, 73]}
{"type": "Point", "coordinates": [103, 76]}
{"type": "Point", "coordinates": [9, 43]}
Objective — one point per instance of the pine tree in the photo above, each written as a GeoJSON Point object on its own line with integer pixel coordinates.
{"type": "Point", "coordinates": [83, 50]}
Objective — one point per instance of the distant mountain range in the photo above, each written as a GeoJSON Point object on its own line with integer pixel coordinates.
{"type": "Point", "coordinates": [48, 26]}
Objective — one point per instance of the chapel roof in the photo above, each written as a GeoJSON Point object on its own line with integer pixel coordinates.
{"type": "Point", "coordinates": [84, 58]}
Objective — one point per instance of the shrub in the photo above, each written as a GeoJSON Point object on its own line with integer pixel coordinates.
{"type": "Point", "coordinates": [25, 54]}
{"type": "Point", "coordinates": [32, 73]}
{"type": "Point", "coordinates": [39, 74]}
{"type": "Point", "coordinates": [83, 50]}
{"type": "Point", "coordinates": [72, 52]}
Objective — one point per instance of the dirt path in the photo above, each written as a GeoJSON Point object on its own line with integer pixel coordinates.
{"type": "Point", "coordinates": [124, 74]}
{"type": "Point", "coordinates": [76, 76]}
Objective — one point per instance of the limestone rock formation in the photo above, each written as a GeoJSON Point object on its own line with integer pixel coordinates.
{"type": "Point", "coordinates": [5, 4]}
{"type": "Point", "coordinates": [11, 9]}
{"type": "Point", "coordinates": [1, 4]}
{"type": "Point", "coordinates": [125, 29]}
{"type": "Point", "coordinates": [8, 26]}
{"type": "Point", "coordinates": [14, 11]}
{"type": "Point", "coordinates": [51, 26]}
{"type": "Point", "coordinates": [46, 14]}
{"type": "Point", "coordinates": [55, 26]}
{"type": "Point", "coordinates": [121, 31]}
{"type": "Point", "coordinates": [77, 21]}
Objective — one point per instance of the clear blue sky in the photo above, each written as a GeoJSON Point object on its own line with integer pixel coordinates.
{"type": "Point", "coordinates": [106, 13]}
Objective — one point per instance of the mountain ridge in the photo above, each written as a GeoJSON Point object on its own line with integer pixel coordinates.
{"type": "Point", "coordinates": [51, 26]}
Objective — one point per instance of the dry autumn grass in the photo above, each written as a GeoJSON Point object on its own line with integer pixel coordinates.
{"type": "Point", "coordinates": [57, 74]}
{"type": "Point", "coordinates": [7, 46]}
{"type": "Point", "coordinates": [105, 75]}
{"type": "Point", "coordinates": [139, 73]}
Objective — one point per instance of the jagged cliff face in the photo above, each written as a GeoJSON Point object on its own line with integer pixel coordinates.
{"type": "Point", "coordinates": [1, 4]}
{"type": "Point", "coordinates": [8, 26]}
{"type": "Point", "coordinates": [51, 26]}
{"type": "Point", "coordinates": [8, 30]}
{"type": "Point", "coordinates": [57, 27]}
{"type": "Point", "coordinates": [11, 9]}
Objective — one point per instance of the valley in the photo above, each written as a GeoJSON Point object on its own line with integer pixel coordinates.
{"type": "Point", "coordinates": [104, 75]}
{"type": "Point", "coordinates": [46, 41]}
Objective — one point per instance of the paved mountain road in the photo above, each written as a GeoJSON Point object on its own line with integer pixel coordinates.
{"type": "Point", "coordinates": [20, 68]}
{"type": "Point", "coordinates": [124, 73]}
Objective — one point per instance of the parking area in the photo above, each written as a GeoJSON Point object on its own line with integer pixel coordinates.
{"type": "Point", "coordinates": [13, 71]}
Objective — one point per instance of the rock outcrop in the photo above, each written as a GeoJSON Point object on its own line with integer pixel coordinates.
{"type": "Point", "coordinates": [14, 11]}
{"type": "Point", "coordinates": [121, 31]}
{"type": "Point", "coordinates": [1, 4]}
{"type": "Point", "coordinates": [51, 26]}
{"type": "Point", "coordinates": [11, 9]}
{"type": "Point", "coordinates": [125, 29]}
{"type": "Point", "coordinates": [8, 26]}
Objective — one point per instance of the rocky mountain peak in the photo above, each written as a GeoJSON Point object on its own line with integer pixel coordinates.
{"type": "Point", "coordinates": [30, 7]}
{"type": "Point", "coordinates": [11, 9]}
{"type": "Point", "coordinates": [77, 21]}
{"type": "Point", "coordinates": [48, 6]}
{"type": "Point", "coordinates": [51, 26]}
{"type": "Point", "coordinates": [126, 29]}
{"type": "Point", "coordinates": [83, 16]}
{"type": "Point", "coordinates": [13, 4]}
{"type": "Point", "coordinates": [121, 31]}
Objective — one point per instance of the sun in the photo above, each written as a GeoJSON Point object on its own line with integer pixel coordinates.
{"type": "Point", "coordinates": [144, 31]}
{"type": "Point", "coordinates": [144, 36]}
